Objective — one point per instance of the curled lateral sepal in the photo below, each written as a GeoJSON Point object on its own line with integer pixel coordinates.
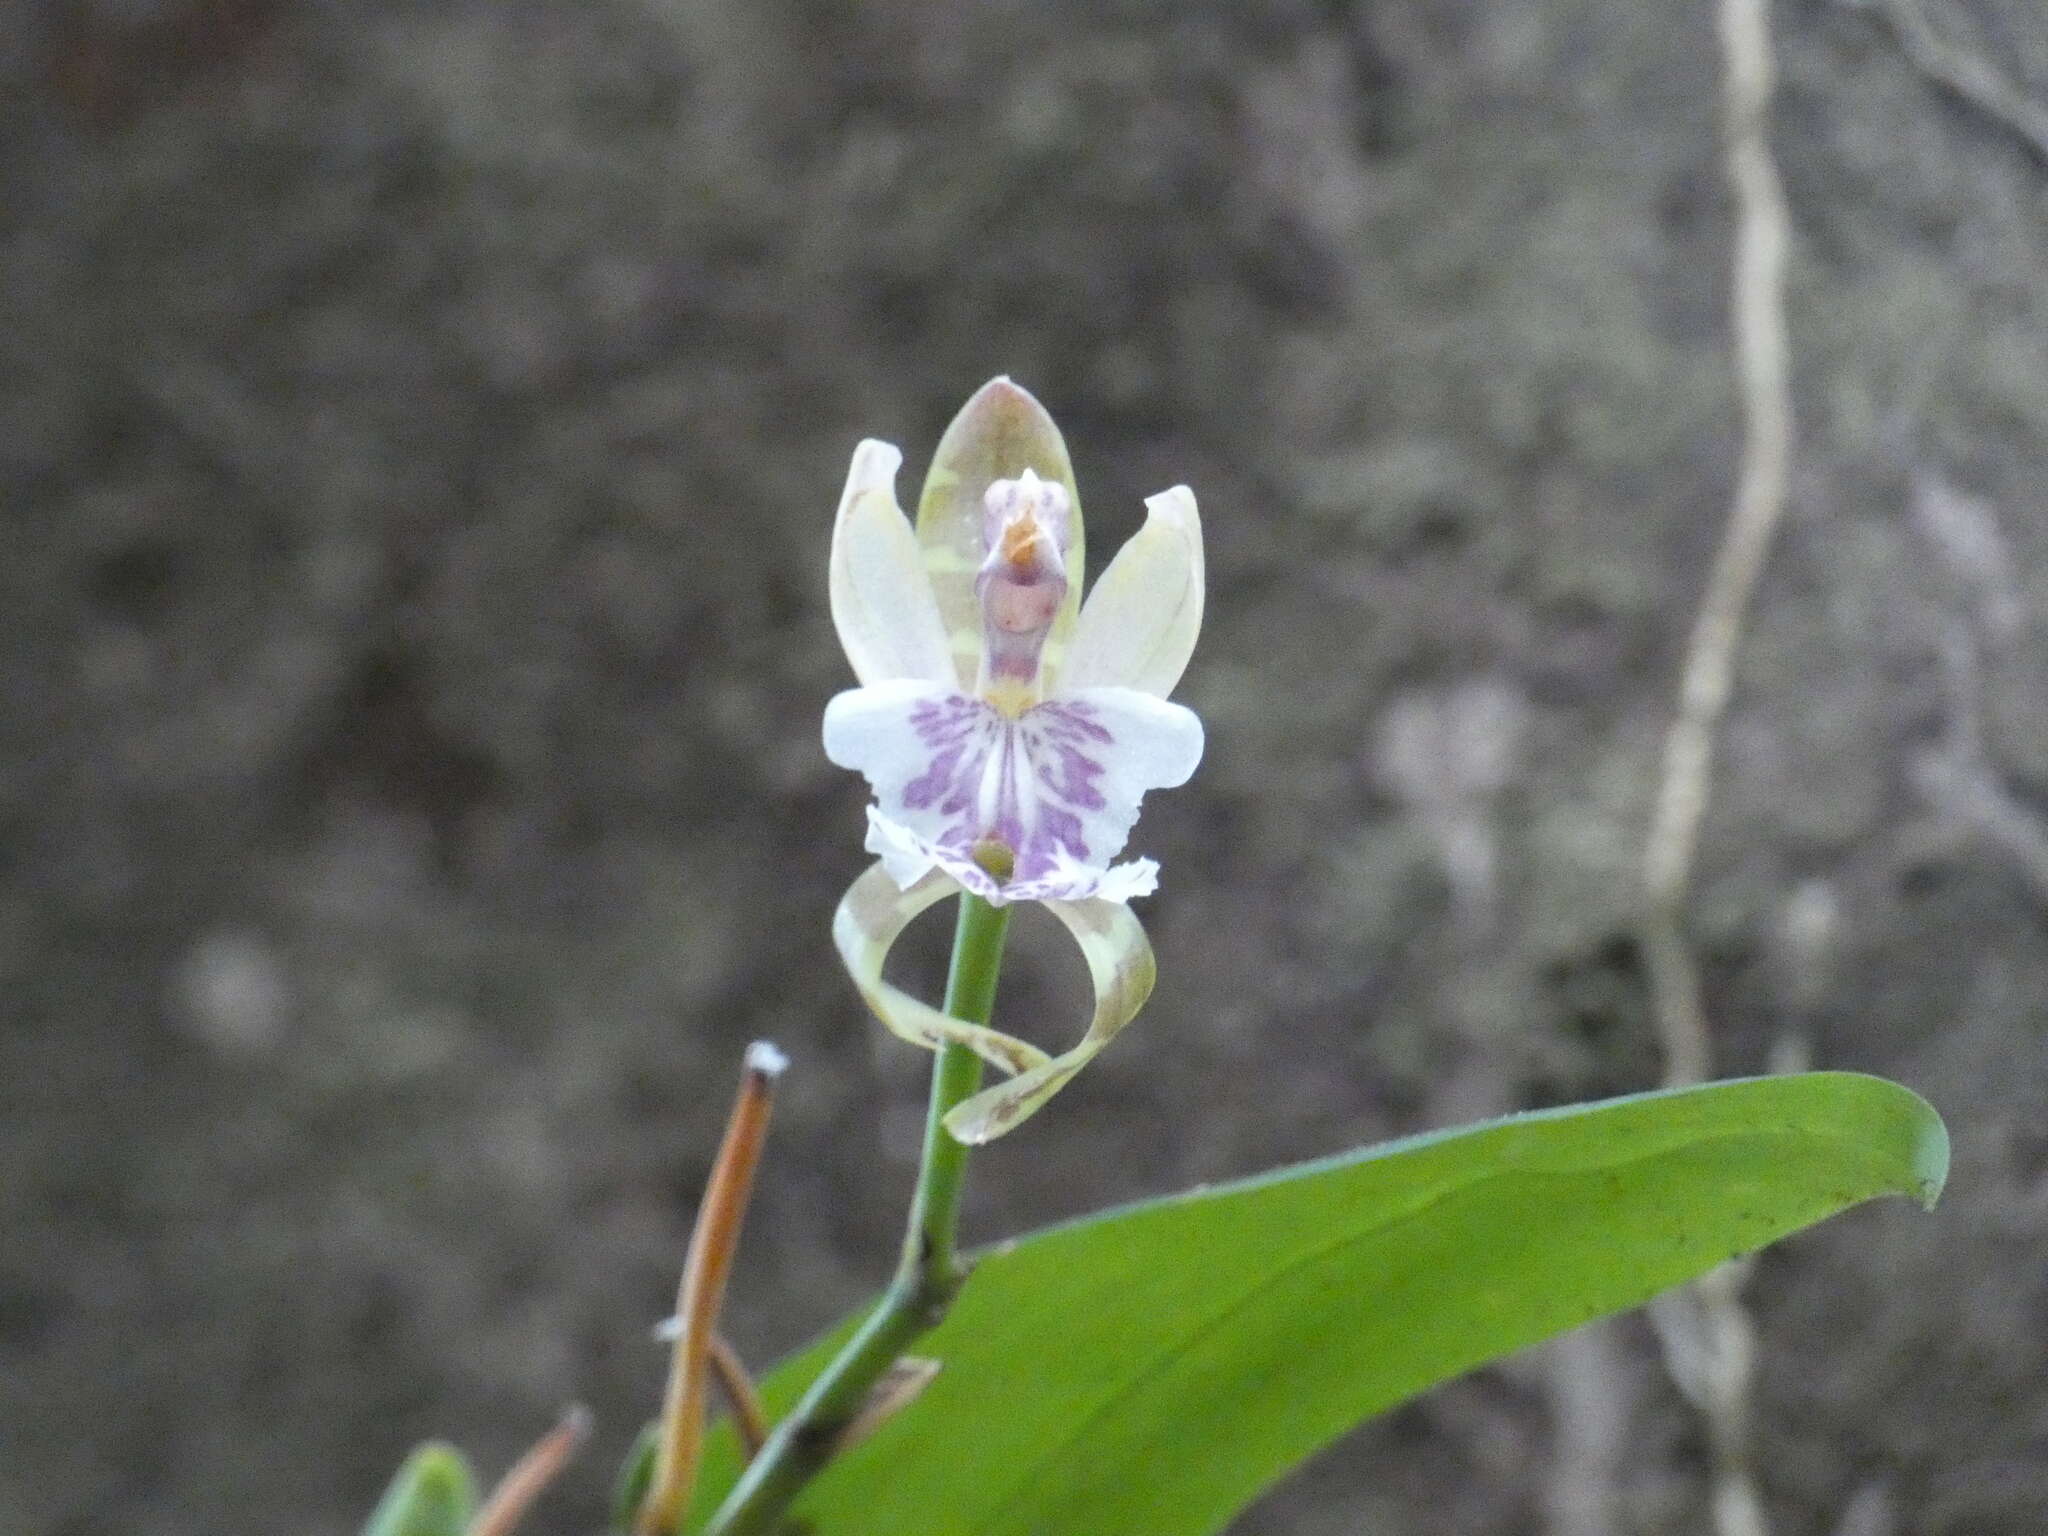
{"type": "Point", "coordinates": [1121, 969]}
{"type": "Point", "coordinates": [871, 917]}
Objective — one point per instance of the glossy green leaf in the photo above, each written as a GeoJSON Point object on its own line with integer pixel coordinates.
{"type": "Point", "coordinates": [1148, 1371]}
{"type": "Point", "coordinates": [432, 1495]}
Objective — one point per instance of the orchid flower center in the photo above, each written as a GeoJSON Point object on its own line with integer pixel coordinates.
{"type": "Point", "coordinates": [1021, 584]}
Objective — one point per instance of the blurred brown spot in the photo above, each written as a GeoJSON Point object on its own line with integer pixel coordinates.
{"type": "Point", "coordinates": [107, 70]}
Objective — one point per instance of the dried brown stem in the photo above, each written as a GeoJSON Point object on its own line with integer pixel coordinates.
{"type": "Point", "coordinates": [706, 1267]}
{"type": "Point", "coordinates": [530, 1476]}
{"type": "Point", "coordinates": [748, 1417]}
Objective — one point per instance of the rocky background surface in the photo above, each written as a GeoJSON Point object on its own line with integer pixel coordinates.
{"type": "Point", "coordinates": [419, 426]}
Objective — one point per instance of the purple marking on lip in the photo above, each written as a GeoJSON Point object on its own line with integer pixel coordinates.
{"type": "Point", "coordinates": [1044, 783]}
{"type": "Point", "coordinates": [1077, 774]}
{"type": "Point", "coordinates": [949, 726]}
{"type": "Point", "coordinates": [1072, 717]}
{"type": "Point", "coordinates": [922, 791]}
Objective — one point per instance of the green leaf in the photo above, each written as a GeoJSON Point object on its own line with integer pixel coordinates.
{"type": "Point", "coordinates": [636, 1476]}
{"type": "Point", "coordinates": [432, 1495]}
{"type": "Point", "coordinates": [1148, 1371]}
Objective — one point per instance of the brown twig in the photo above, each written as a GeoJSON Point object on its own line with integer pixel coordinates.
{"type": "Point", "coordinates": [735, 1385]}
{"type": "Point", "coordinates": [748, 1416]}
{"type": "Point", "coordinates": [706, 1267]}
{"type": "Point", "coordinates": [530, 1476]}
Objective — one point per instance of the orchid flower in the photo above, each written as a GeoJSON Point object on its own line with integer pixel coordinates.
{"type": "Point", "coordinates": [1008, 730]}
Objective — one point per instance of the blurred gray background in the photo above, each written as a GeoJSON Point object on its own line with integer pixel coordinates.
{"type": "Point", "coordinates": [420, 424]}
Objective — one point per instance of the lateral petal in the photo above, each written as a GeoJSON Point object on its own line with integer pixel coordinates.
{"type": "Point", "coordinates": [882, 601]}
{"type": "Point", "coordinates": [871, 917]}
{"type": "Point", "coordinates": [1138, 627]}
{"type": "Point", "coordinates": [1122, 970]}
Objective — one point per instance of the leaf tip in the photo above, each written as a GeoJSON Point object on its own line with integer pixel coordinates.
{"type": "Point", "coordinates": [1930, 1160]}
{"type": "Point", "coordinates": [433, 1494]}
{"type": "Point", "coordinates": [636, 1476]}
{"type": "Point", "coordinates": [1922, 1142]}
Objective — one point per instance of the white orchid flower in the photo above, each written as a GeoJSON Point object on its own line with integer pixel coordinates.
{"type": "Point", "coordinates": [1009, 731]}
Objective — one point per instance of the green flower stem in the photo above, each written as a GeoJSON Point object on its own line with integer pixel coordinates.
{"type": "Point", "coordinates": [928, 1275]}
